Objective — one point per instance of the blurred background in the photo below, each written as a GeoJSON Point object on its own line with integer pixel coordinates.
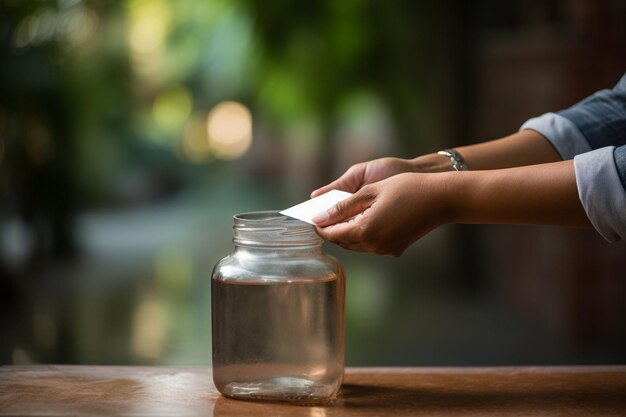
{"type": "Point", "coordinates": [131, 131]}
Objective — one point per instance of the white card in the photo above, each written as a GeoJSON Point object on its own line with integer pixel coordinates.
{"type": "Point", "coordinates": [307, 210]}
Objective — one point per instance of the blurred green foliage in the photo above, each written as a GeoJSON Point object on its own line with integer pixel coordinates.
{"type": "Point", "coordinates": [114, 206]}
{"type": "Point", "coordinates": [103, 108]}
{"type": "Point", "coordinates": [97, 96]}
{"type": "Point", "coordinates": [122, 68]}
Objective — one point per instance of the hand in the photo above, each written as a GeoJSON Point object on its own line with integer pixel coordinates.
{"type": "Point", "coordinates": [386, 217]}
{"type": "Point", "coordinates": [366, 173]}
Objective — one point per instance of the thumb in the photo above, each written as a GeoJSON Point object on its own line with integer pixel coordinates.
{"type": "Point", "coordinates": [345, 209]}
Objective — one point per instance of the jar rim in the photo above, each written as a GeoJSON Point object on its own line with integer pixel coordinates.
{"type": "Point", "coordinates": [270, 228]}
{"type": "Point", "coordinates": [260, 216]}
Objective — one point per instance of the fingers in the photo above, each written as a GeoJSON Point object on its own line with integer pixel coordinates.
{"type": "Point", "coordinates": [356, 234]}
{"type": "Point", "coordinates": [345, 209]}
{"type": "Point", "coordinates": [350, 181]}
{"type": "Point", "coordinates": [345, 234]}
{"type": "Point", "coordinates": [349, 234]}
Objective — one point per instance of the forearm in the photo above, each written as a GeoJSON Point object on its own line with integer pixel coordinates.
{"type": "Point", "coordinates": [537, 194]}
{"type": "Point", "coordinates": [387, 216]}
{"type": "Point", "coordinates": [519, 149]}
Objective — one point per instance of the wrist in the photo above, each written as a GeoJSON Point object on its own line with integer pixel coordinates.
{"type": "Point", "coordinates": [456, 195]}
{"type": "Point", "coordinates": [431, 162]}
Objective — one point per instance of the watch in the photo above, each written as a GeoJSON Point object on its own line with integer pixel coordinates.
{"type": "Point", "coordinates": [458, 163]}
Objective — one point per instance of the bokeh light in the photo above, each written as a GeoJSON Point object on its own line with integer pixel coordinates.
{"type": "Point", "coordinates": [195, 143]}
{"type": "Point", "coordinates": [72, 24]}
{"type": "Point", "coordinates": [150, 326]}
{"type": "Point", "coordinates": [171, 108]}
{"type": "Point", "coordinates": [148, 27]}
{"type": "Point", "coordinates": [36, 29]}
{"type": "Point", "coordinates": [229, 126]}
{"type": "Point", "coordinates": [149, 21]}
{"type": "Point", "coordinates": [80, 24]}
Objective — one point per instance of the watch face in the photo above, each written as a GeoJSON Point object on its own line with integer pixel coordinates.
{"type": "Point", "coordinates": [458, 163]}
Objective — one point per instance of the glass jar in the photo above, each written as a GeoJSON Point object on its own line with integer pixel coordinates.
{"type": "Point", "coordinates": [278, 313]}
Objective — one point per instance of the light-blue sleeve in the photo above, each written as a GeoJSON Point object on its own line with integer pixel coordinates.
{"type": "Point", "coordinates": [601, 192]}
{"type": "Point", "coordinates": [593, 133]}
{"type": "Point", "coordinates": [562, 133]}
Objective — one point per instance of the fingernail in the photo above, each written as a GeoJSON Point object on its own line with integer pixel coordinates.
{"type": "Point", "coordinates": [320, 218]}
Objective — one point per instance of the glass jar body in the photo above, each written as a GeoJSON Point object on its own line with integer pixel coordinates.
{"type": "Point", "coordinates": [278, 320]}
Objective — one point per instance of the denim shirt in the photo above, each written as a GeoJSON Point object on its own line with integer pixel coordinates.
{"type": "Point", "coordinates": [593, 133]}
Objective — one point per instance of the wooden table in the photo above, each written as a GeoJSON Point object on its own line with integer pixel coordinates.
{"type": "Point", "coordinates": [166, 391]}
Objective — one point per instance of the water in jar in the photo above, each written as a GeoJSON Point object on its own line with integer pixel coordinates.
{"type": "Point", "coordinates": [278, 340]}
